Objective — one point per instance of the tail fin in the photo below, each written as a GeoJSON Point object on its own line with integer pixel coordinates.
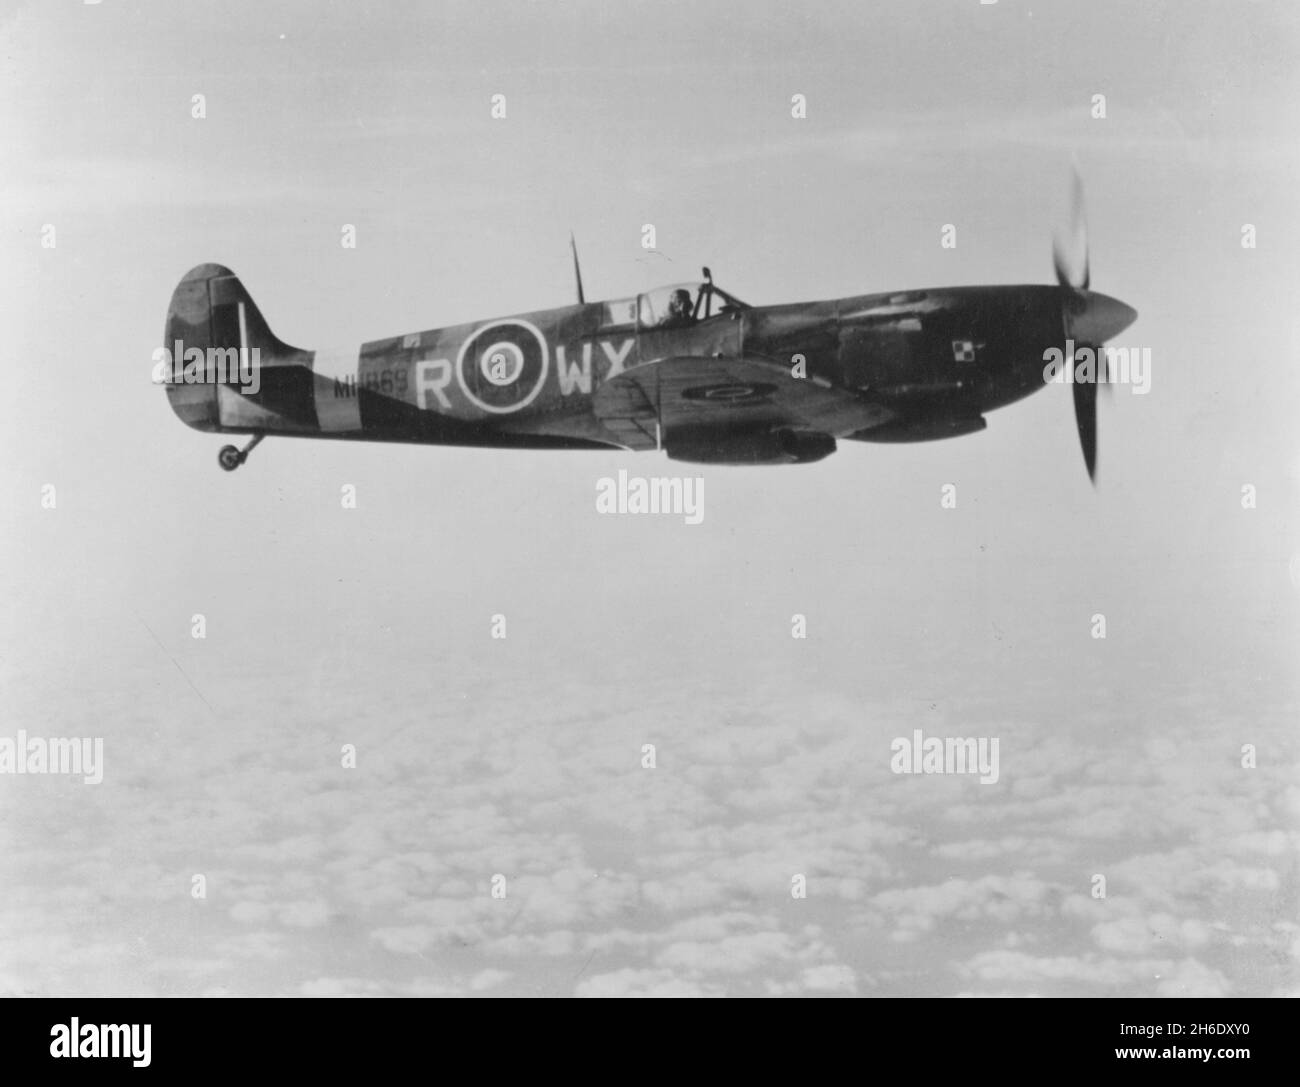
{"type": "Point", "coordinates": [228, 370]}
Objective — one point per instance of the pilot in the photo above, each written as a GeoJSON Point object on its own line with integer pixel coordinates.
{"type": "Point", "coordinates": [680, 310]}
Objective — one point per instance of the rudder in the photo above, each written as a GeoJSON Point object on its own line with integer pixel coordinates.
{"type": "Point", "coordinates": [228, 370]}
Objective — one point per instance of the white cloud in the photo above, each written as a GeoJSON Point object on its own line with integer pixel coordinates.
{"type": "Point", "coordinates": [632, 982]}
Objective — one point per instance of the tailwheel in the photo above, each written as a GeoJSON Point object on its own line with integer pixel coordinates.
{"type": "Point", "coordinates": [231, 458]}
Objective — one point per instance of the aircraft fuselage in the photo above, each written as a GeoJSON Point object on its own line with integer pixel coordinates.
{"type": "Point", "coordinates": [924, 364]}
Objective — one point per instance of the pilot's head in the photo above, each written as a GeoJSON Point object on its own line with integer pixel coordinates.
{"type": "Point", "coordinates": [680, 303]}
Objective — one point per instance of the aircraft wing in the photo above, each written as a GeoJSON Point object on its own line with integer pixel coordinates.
{"type": "Point", "coordinates": [685, 393]}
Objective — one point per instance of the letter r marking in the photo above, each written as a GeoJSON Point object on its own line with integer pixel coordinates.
{"type": "Point", "coordinates": [432, 376]}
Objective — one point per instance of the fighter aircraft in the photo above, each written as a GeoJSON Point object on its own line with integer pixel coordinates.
{"type": "Point", "coordinates": [689, 369]}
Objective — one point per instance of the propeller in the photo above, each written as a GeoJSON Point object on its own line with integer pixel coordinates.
{"type": "Point", "coordinates": [1089, 320]}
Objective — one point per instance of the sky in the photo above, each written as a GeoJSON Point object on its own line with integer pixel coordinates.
{"type": "Point", "coordinates": [523, 757]}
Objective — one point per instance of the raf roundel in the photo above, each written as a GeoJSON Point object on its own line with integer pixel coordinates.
{"type": "Point", "coordinates": [502, 366]}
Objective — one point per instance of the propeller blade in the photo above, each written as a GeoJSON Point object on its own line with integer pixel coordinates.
{"type": "Point", "coordinates": [1085, 417]}
{"type": "Point", "coordinates": [1070, 258]}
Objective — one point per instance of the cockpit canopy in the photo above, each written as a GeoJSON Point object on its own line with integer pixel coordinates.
{"type": "Point", "coordinates": [683, 304]}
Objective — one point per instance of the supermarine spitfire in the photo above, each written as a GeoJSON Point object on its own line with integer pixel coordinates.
{"type": "Point", "coordinates": [689, 369]}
